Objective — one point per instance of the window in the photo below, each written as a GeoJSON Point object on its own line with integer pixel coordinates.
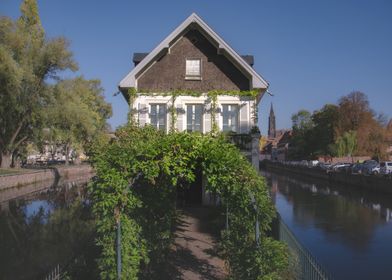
{"type": "Point", "coordinates": [193, 69]}
{"type": "Point", "coordinates": [194, 117]}
{"type": "Point", "coordinates": [158, 116]}
{"type": "Point", "coordinates": [230, 117]}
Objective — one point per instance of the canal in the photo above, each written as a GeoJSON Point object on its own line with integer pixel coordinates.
{"type": "Point", "coordinates": [348, 230]}
{"type": "Point", "coordinates": [45, 225]}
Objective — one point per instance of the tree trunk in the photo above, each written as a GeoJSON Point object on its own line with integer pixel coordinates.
{"type": "Point", "coordinates": [6, 160]}
{"type": "Point", "coordinates": [66, 154]}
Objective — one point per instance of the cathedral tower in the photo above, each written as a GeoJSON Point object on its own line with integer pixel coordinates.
{"type": "Point", "coordinates": [271, 124]}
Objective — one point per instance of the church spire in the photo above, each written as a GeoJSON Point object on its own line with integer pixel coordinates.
{"type": "Point", "coordinates": [271, 123]}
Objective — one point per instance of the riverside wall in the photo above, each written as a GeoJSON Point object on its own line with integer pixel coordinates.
{"type": "Point", "coordinates": [373, 183]}
{"type": "Point", "coordinates": [37, 175]}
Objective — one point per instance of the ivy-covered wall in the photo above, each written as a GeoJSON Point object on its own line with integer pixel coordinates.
{"type": "Point", "coordinates": [212, 101]}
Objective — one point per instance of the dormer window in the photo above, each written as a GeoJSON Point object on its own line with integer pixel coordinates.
{"type": "Point", "coordinates": [193, 69]}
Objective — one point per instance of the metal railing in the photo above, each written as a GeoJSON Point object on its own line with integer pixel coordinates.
{"type": "Point", "coordinates": [55, 274]}
{"type": "Point", "coordinates": [303, 264]}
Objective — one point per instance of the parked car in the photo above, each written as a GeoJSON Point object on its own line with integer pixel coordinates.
{"type": "Point", "coordinates": [356, 168]}
{"type": "Point", "coordinates": [340, 166]}
{"type": "Point", "coordinates": [386, 167]}
{"type": "Point", "coordinates": [370, 167]}
{"type": "Point", "coordinates": [323, 166]}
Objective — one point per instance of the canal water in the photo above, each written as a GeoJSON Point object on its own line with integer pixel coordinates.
{"type": "Point", "coordinates": [347, 229]}
{"type": "Point", "coordinates": [45, 225]}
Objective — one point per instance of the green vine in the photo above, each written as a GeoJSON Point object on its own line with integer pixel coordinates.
{"type": "Point", "coordinates": [186, 92]}
{"type": "Point", "coordinates": [138, 176]}
{"type": "Point", "coordinates": [255, 111]}
{"type": "Point", "coordinates": [173, 113]}
{"type": "Point", "coordinates": [212, 95]}
{"type": "Point", "coordinates": [213, 109]}
{"type": "Point", "coordinates": [132, 95]}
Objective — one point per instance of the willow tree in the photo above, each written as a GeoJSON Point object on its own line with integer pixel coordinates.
{"type": "Point", "coordinates": [27, 61]}
{"type": "Point", "coordinates": [77, 113]}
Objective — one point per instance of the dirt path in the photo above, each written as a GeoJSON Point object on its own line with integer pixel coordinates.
{"type": "Point", "coordinates": [194, 252]}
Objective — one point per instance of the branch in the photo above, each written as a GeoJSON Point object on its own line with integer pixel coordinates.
{"type": "Point", "coordinates": [16, 133]}
{"type": "Point", "coordinates": [19, 142]}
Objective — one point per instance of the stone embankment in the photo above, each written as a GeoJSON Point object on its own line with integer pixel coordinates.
{"type": "Point", "coordinates": [375, 183]}
{"type": "Point", "coordinates": [37, 175]}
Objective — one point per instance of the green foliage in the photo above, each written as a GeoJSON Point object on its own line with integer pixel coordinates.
{"type": "Point", "coordinates": [27, 60]}
{"type": "Point", "coordinates": [139, 173]}
{"type": "Point", "coordinates": [186, 92]}
{"type": "Point", "coordinates": [77, 113]}
{"type": "Point", "coordinates": [325, 131]}
{"type": "Point", "coordinates": [346, 144]}
{"type": "Point", "coordinates": [131, 100]}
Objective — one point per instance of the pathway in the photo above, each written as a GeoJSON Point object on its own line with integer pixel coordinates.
{"type": "Point", "coordinates": [194, 251]}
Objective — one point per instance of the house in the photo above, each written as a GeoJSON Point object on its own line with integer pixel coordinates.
{"type": "Point", "coordinates": [194, 81]}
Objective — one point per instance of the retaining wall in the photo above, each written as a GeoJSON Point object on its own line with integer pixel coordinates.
{"type": "Point", "coordinates": [33, 176]}
{"type": "Point", "coordinates": [376, 183]}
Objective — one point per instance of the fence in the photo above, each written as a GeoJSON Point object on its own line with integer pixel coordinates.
{"type": "Point", "coordinates": [55, 274]}
{"type": "Point", "coordinates": [304, 265]}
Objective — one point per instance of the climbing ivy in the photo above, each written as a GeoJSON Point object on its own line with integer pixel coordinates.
{"type": "Point", "coordinates": [131, 100]}
{"type": "Point", "coordinates": [138, 176]}
{"type": "Point", "coordinates": [187, 92]}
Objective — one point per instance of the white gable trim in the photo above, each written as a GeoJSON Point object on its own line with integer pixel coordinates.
{"type": "Point", "coordinates": [130, 80]}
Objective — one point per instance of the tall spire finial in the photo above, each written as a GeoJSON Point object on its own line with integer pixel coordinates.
{"type": "Point", "coordinates": [271, 123]}
{"type": "Point", "coordinates": [272, 110]}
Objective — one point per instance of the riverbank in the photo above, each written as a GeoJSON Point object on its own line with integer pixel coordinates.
{"type": "Point", "coordinates": [32, 176]}
{"type": "Point", "coordinates": [374, 183]}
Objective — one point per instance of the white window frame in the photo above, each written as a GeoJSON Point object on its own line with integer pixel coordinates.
{"type": "Point", "coordinates": [189, 74]}
{"type": "Point", "coordinates": [194, 115]}
{"type": "Point", "coordinates": [237, 126]}
{"type": "Point", "coordinates": [150, 112]}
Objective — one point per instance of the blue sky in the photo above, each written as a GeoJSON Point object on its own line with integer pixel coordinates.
{"type": "Point", "coordinates": [311, 52]}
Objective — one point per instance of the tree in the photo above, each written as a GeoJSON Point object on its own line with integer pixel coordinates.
{"type": "Point", "coordinates": [300, 142]}
{"type": "Point", "coordinates": [356, 115]}
{"type": "Point", "coordinates": [77, 113]}
{"type": "Point", "coordinates": [27, 61]}
{"type": "Point", "coordinates": [346, 144]}
{"type": "Point", "coordinates": [302, 120]}
{"type": "Point", "coordinates": [323, 133]}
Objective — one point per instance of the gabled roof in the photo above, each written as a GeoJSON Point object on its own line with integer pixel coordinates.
{"type": "Point", "coordinates": [257, 82]}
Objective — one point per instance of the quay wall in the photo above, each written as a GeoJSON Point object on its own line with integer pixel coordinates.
{"type": "Point", "coordinates": [37, 175]}
{"type": "Point", "coordinates": [370, 182]}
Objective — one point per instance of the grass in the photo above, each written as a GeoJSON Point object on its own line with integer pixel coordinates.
{"type": "Point", "coordinates": [10, 171]}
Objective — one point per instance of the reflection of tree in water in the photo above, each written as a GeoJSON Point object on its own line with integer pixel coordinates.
{"type": "Point", "coordinates": [31, 245]}
{"type": "Point", "coordinates": [345, 218]}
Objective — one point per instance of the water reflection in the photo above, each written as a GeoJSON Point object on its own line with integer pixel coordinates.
{"type": "Point", "coordinates": [342, 226]}
{"type": "Point", "coordinates": [40, 229]}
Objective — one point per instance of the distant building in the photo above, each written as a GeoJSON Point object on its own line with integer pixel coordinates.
{"type": "Point", "coordinates": [276, 146]}
{"type": "Point", "coordinates": [271, 124]}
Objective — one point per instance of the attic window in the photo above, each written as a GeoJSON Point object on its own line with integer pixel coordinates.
{"type": "Point", "coordinates": [193, 69]}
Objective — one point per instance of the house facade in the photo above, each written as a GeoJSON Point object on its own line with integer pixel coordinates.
{"type": "Point", "coordinates": [194, 81]}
